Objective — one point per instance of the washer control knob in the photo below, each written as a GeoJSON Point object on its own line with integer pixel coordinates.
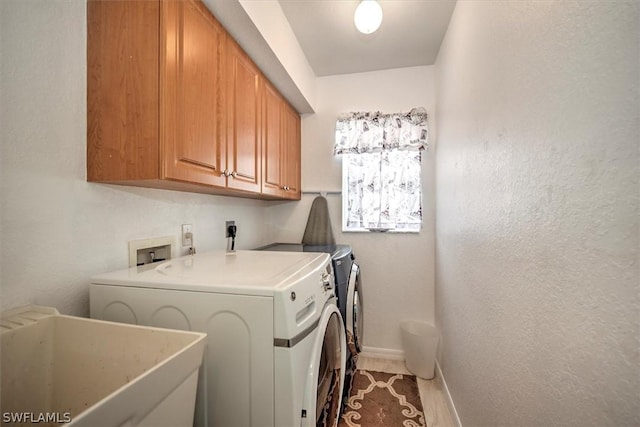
{"type": "Point", "coordinates": [326, 281]}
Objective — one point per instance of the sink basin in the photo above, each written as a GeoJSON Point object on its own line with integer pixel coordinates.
{"type": "Point", "coordinates": [60, 369]}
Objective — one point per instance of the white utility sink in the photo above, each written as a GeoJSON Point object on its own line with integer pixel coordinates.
{"type": "Point", "coordinates": [60, 369]}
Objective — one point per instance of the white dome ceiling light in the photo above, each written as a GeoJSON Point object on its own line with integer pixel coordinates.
{"type": "Point", "coordinates": [368, 16]}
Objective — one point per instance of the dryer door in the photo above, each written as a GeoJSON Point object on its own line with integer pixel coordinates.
{"type": "Point", "coordinates": [323, 394]}
{"type": "Point", "coordinates": [355, 320]}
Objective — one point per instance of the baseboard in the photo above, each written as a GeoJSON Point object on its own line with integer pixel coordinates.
{"type": "Point", "coordinates": [382, 353]}
{"type": "Point", "coordinates": [447, 396]}
{"type": "Point", "coordinates": [392, 354]}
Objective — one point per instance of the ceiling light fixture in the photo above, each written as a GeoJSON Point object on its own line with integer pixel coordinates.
{"type": "Point", "coordinates": [368, 16]}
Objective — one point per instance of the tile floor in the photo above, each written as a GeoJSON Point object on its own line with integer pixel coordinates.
{"type": "Point", "coordinates": [436, 411]}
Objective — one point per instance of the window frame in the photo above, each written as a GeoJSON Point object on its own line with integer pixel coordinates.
{"type": "Point", "coordinates": [345, 207]}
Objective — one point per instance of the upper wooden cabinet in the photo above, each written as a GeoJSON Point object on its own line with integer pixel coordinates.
{"type": "Point", "coordinates": [292, 138]}
{"type": "Point", "coordinates": [123, 46]}
{"type": "Point", "coordinates": [280, 146]}
{"type": "Point", "coordinates": [243, 120]}
{"type": "Point", "coordinates": [191, 110]}
{"type": "Point", "coordinates": [272, 142]}
{"type": "Point", "coordinates": [173, 102]}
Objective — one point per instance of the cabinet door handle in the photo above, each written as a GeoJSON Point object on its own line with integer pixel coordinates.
{"type": "Point", "coordinates": [234, 174]}
{"type": "Point", "coordinates": [226, 173]}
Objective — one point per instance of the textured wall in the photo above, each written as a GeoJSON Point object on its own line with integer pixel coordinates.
{"type": "Point", "coordinates": [397, 269]}
{"type": "Point", "coordinates": [537, 282]}
{"type": "Point", "coordinates": [57, 230]}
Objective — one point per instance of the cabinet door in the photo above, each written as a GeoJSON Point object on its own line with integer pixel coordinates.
{"type": "Point", "coordinates": [192, 135]}
{"type": "Point", "coordinates": [243, 121]}
{"type": "Point", "coordinates": [292, 141]}
{"type": "Point", "coordinates": [272, 141]}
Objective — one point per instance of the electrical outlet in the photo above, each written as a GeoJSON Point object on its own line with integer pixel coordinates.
{"type": "Point", "coordinates": [226, 228]}
{"type": "Point", "coordinates": [187, 235]}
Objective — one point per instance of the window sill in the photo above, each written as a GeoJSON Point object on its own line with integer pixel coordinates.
{"type": "Point", "coordinates": [380, 231]}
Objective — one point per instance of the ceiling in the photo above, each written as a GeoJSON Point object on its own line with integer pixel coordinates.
{"type": "Point", "coordinates": [410, 34]}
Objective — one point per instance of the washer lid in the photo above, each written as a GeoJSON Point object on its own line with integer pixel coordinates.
{"type": "Point", "coordinates": [243, 272]}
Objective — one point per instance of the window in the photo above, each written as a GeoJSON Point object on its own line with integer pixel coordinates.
{"type": "Point", "coordinates": [381, 173]}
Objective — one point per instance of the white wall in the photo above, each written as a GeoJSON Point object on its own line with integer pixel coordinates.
{"type": "Point", "coordinates": [270, 20]}
{"type": "Point", "coordinates": [537, 280]}
{"type": "Point", "coordinates": [57, 229]}
{"type": "Point", "coordinates": [397, 270]}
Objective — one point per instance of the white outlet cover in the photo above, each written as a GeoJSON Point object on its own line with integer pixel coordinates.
{"type": "Point", "coordinates": [187, 241]}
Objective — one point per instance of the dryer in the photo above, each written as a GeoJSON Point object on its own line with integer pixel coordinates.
{"type": "Point", "coordinates": [275, 351]}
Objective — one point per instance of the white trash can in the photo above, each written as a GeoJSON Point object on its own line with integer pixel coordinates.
{"type": "Point", "coordinates": [420, 340]}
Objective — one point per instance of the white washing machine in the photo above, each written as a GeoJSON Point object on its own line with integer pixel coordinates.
{"type": "Point", "coordinates": [275, 351]}
{"type": "Point", "coordinates": [349, 293]}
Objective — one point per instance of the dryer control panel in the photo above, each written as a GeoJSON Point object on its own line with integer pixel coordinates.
{"type": "Point", "coordinates": [298, 308]}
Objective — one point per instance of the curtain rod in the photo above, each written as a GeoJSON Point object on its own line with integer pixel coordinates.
{"type": "Point", "coordinates": [322, 192]}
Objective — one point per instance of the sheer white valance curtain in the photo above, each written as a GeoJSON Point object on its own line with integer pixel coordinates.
{"type": "Point", "coordinates": [381, 169]}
